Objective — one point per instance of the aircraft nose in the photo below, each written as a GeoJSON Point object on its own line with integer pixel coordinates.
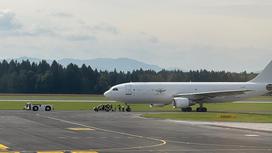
{"type": "Point", "coordinates": [106, 94]}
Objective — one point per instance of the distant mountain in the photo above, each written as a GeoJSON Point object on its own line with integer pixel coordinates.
{"type": "Point", "coordinates": [109, 64]}
{"type": "Point", "coordinates": [120, 64]}
{"type": "Point", "coordinates": [20, 59]}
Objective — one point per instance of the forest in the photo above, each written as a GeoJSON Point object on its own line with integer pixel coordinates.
{"type": "Point", "coordinates": [53, 78]}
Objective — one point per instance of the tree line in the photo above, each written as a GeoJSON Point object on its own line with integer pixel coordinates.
{"type": "Point", "coordinates": [42, 77]}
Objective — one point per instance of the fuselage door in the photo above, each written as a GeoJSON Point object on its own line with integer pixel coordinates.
{"type": "Point", "coordinates": [128, 89]}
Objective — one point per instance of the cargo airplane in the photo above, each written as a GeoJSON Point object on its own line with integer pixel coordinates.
{"type": "Point", "coordinates": [185, 94]}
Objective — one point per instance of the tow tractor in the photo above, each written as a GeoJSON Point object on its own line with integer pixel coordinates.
{"type": "Point", "coordinates": [37, 107]}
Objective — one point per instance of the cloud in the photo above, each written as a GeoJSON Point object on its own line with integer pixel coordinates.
{"type": "Point", "coordinates": [8, 21]}
{"type": "Point", "coordinates": [180, 33]}
{"type": "Point", "coordinates": [150, 38]}
{"type": "Point", "coordinates": [105, 27]}
{"type": "Point", "coordinates": [61, 14]}
{"type": "Point", "coordinates": [80, 37]}
{"type": "Point", "coordinates": [51, 32]}
{"type": "Point", "coordinates": [154, 39]}
{"type": "Point", "coordinates": [34, 31]}
{"type": "Point", "coordinates": [10, 27]}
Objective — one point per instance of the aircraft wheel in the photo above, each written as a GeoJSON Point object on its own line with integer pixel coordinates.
{"type": "Point", "coordinates": [128, 109]}
{"type": "Point", "coordinates": [48, 108]}
{"type": "Point", "coordinates": [35, 108]}
{"type": "Point", "coordinates": [201, 109]}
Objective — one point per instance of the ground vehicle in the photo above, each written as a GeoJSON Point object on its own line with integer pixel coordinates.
{"type": "Point", "coordinates": [103, 107]}
{"type": "Point", "coordinates": [110, 107]}
{"type": "Point", "coordinates": [37, 107]}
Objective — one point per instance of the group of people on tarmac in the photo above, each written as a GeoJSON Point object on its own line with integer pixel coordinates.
{"type": "Point", "coordinates": [111, 108]}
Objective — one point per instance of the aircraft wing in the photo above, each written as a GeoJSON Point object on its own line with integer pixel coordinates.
{"type": "Point", "coordinates": [210, 94]}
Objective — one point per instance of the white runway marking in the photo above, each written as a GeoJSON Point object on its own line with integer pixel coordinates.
{"type": "Point", "coordinates": [265, 127]}
{"type": "Point", "coordinates": [251, 135]}
{"type": "Point", "coordinates": [161, 141]}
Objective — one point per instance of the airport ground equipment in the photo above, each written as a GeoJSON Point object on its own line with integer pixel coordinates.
{"type": "Point", "coordinates": [37, 107]}
{"type": "Point", "coordinates": [110, 108]}
{"type": "Point", "coordinates": [128, 109]}
{"type": "Point", "coordinates": [103, 107]}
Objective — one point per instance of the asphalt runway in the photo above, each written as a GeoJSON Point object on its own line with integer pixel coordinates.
{"type": "Point", "coordinates": [90, 132]}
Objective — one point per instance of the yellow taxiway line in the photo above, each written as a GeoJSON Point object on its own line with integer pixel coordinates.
{"type": "Point", "coordinates": [74, 151]}
{"type": "Point", "coordinates": [50, 151]}
{"type": "Point", "coordinates": [3, 147]}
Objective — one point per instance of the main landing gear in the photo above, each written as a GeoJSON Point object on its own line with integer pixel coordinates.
{"type": "Point", "coordinates": [201, 108]}
{"type": "Point", "coordinates": [198, 109]}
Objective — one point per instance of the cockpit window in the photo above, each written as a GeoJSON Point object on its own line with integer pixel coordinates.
{"type": "Point", "coordinates": [115, 89]}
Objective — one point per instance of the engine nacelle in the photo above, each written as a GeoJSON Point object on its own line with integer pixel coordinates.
{"type": "Point", "coordinates": [180, 102]}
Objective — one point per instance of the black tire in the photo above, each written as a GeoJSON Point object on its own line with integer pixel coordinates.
{"type": "Point", "coordinates": [95, 109]}
{"type": "Point", "coordinates": [48, 108]}
{"type": "Point", "coordinates": [201, 109]}
{"type": "Point", "coordinates": [204, 109]}
{"type": "Point", "coordinates": [128, 109]}
{"type": "Point", "coordinates": [35, 108]}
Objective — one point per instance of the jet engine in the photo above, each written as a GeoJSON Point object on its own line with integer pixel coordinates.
{"type": "Point", "coordinates": [180, 102]}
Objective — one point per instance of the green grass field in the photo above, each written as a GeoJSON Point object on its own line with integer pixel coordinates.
{"type": "Point", "coordinates": [9, 101]}
{"type": "Point", "coordinates": [245, 112]}
{"type": "Point", "coordinates": [226, 117]}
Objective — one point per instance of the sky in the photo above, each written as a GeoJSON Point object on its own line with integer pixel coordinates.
{"type": "Point", "coordinates": [232, 35]}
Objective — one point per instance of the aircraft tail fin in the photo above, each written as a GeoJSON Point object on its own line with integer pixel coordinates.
{"type": "Point", "coordinates": [265, 76]}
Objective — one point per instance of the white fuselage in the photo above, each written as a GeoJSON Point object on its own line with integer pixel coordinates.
{"type": "Point", "coordinates": [185, 94]}
{"type": "Point", "coordinates": [164, 92]}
